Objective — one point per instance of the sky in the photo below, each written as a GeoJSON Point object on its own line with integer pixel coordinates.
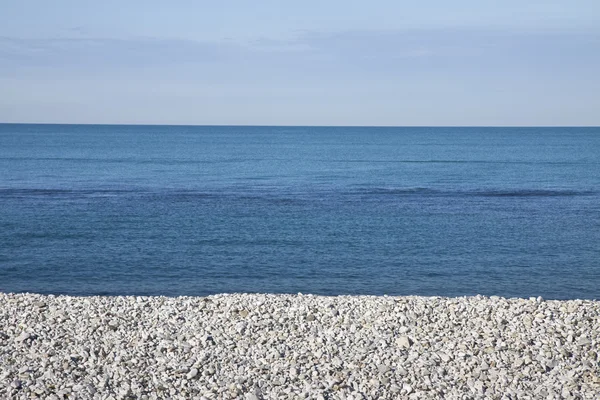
{"type": "Point", "coordinates": [390, 63]}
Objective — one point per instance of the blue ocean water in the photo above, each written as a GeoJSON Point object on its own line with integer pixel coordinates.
{"type": "Point", "coordinates": [185, 210]}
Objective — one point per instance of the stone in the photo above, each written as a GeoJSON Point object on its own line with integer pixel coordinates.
{"type": "Point", "coordinates": [518, 362]}
{"type": "Point", "coordinates": [241, 326]}
{"type": "Point", "coordinates": [297, 347]}
{"type": "Point", "coordinates": [23, 337]}
{"type": "Point", "coordinates": [382, 368]}
{"type": "Point", "coordinates": [584, 342]}
{"type": "Point", "coordinates": [192, 374]}
{"type": "Point", "coordinates": [443, 356]}
{"type": "Point", "coordinates": [403, 342]}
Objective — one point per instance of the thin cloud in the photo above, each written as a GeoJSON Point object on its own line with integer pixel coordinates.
{"type": "Point", "coordinates": [362, 47]}
{"type": "Point", "coordinates": [102, 52]}
{"type": "Point", "coordinates": [352, 77]}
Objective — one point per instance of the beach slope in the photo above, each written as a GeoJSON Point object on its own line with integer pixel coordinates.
{"type": "Point", "coordinates": [258, 346]}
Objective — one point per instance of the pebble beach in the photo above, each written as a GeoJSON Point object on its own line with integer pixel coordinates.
{"type": "Point", "coordinates": [259, 346]}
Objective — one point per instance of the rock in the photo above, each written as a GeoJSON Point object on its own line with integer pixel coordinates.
{"type": "Point", "coordinates": [584, 342]}
{"type": "Point", "coordinates": [113, 324]}
{"type": "Point", "coordinates": [358, 347]}
{"type": "Point", "coordinates": [192, 374]}
{"type": "Point", "coordinates": [241, 326]}
{"type": "Point", "coordinates": [24, 369]}
{"type": "Point", "coordinates": [23, 337]}
{"type": "Point", "coordinates": [382, 368]}
{"type": "Point", "coordinates": [518, 362]}
{"type": "Point", "coordinates": [403, 342]}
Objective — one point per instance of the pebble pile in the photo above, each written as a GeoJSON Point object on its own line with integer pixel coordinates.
{"type": "Point", "coordinates": [258, 346]}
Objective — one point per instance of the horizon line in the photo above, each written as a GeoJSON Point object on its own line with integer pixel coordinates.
{"type": "Point", "coordinates": [300, 126]}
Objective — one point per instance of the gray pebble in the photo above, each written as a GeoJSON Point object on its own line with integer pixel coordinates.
{"type": "Point", "coordinates": [288, 346]}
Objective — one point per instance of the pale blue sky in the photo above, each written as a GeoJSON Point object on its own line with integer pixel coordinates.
{"type": "Point", "coordinates": [301, 63]}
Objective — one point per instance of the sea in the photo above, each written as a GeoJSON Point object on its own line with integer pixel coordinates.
{"type": "Point", "coordinates": [199, 210]}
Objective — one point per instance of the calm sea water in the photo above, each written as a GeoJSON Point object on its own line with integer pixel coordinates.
{"type": "Point", "coordinates": [173, 210]}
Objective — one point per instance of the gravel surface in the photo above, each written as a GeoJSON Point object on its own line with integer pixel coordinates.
{"type": "Point", "coordinates": [256, 346]}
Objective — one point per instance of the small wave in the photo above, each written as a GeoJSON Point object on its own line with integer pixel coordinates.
{"type": "Point", "coordinates": [56, 235]}
{"type": "Point", "coordinates": [31, 192]}
{"type": "Point", "coordinates": [491, 162]}
{"type": "Point", "coordinates": [141, 161]}
{"type": "Point", "coordinates": [476, 193]}
{"type": "Point", "coordinates": [397, 191]}
{"type": "Point", "coordinates": [530, 193]}
{"type": "Point", "coordinates": [275, 196]}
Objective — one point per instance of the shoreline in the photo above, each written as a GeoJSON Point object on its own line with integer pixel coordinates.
{"type": "Point", "coordinates": [253, 346]}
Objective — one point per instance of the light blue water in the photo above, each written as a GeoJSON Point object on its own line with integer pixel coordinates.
{"type": "Point", "coordinates": [198, 210]}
